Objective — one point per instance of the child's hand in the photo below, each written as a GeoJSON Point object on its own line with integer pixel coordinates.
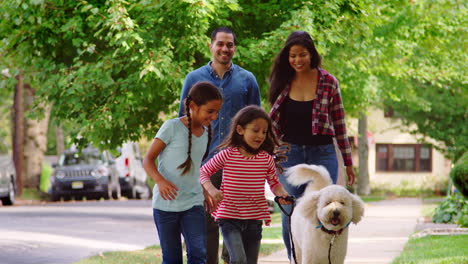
{"type": "Point", "coordinates": [167, 189]}
{"type": "Point", "coordinates": [217, 195]}
{"type": "Point", "coordinates": [212, 196]}
{"type": "Point", "coordinates": [284, 199]}
{"type": "Point", "coordinates": [210, 204]}
{"type": "Point", "coordinates": [281, 195]}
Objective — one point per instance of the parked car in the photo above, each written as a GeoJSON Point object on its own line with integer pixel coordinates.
{"type": "Point", "coordinates": [89, 173]}
{"type": "Point", "coordinates": [132, 176]}
{"type": "Point", "coordinates": [7, 175]}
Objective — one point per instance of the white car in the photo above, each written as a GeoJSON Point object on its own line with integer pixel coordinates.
{"type": "Point", "coordinates": [7, 176]}
{"type": "Point", "coordinates": [132, 176]}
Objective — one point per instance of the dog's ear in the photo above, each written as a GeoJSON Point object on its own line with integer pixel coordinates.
{"type": "Point", "coordinates": [309, 205]}
{"type": "Point", "coordinates": [358, 208]}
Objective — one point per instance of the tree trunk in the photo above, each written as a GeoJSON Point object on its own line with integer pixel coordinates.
{"type": "Point", "coordinates": [18, 133]}
{"type": "Point", "coordinates": [363, 150]}
{"type": "Point", "coordinates": [35, 141]}
{"type": "Point", "coordinates": [60, 142]}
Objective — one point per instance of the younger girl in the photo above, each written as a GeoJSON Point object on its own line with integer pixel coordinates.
{"type": "Point", "coordinates": [246, 162]}
{"type": "Point", "coordinates": [180, 145]}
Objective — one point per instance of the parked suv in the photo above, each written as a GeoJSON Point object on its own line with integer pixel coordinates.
{"type": "Point", "coordinates": [132, 176]}
{"type": "Point", "coordinates": [89, 173]}
{"type": "Point", "coordinates": [7, 175]}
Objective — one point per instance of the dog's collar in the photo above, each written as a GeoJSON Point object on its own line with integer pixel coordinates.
{"type": "Point", "coordinates": [331, 232]}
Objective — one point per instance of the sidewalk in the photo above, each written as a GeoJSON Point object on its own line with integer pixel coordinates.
{"type": "Point", "coordinates": [379, 237]}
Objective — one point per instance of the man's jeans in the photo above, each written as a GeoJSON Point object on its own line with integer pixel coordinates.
{"type": "Point", "coordinates": [242, 239]}
{"type": "Point", "coordinates": [212, 228]}
{"type": "Point", "coordinates": [189, 223]}
{"type": "Point", "coordinates": [324, 155]}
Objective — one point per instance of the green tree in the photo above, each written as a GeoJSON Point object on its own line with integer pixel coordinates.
{"type": "Point", "coordinates": [423, 75]}
{"type": "Point", "coordinates": [113, 68]}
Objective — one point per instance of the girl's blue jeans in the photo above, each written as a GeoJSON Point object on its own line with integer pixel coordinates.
{"type": "Point", "coordinates": [189, 223]}
{"type": "Point", "coordinates": [242, 239]}
{"type": "Point", "coordinates": [324, 155]}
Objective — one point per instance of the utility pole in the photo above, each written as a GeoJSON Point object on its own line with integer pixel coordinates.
{"type": "Point", "coordinates": [18, 135]}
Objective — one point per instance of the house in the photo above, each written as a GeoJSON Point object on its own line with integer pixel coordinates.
{"type": "Point", "coordinates": [397, 160]}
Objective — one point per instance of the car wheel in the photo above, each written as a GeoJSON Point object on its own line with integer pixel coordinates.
{"type": "Point", "coordinates": [145, 194]}
{"type": "Point", "coordinates": [55, 197]}
{"type": "Point", "coordinates": [10, 199]}
{"type": "Point", "coordinates": [132, 193]}
{"type": "Point", "coordinates": [107, 193]}
{"type": "Point", "coordinates": [116, 194]}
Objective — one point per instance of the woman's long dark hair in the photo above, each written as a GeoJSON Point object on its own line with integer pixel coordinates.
{"type": "Point", "coordinates": [245, 116]}
{"type": "Point", "coordinates": [200, 93]}
{"type": "Point", "coordinates": [282, 73]}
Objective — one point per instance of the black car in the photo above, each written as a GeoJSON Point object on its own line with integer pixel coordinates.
{"type": "Point", "coordinates": [7, 176]}
{"type": "Point", "coordinates": [89, 173]}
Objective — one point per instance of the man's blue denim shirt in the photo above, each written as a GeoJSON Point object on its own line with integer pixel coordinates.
{"type": "Point", "coordinates": [239, 89]}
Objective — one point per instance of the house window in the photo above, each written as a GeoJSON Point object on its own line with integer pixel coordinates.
{"type": "Point", "coordinates": [390, 112]}
{"type": "Point", "coordinates": [400, 157]}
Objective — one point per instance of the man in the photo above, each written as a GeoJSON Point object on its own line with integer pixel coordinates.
{"type": "Point", "coordinates": [239, 89]}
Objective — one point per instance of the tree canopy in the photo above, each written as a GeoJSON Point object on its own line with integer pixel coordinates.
{"type": "Point", "coordinates": [115, 68]}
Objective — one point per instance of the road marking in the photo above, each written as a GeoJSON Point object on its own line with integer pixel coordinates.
{"type": "Point", "coordinates": [66, 240]}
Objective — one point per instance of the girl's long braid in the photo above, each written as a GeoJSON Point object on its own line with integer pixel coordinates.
{"type": "Point", "coordinates": [188, 162]}
{"type": "Point", "coordinates": [210, 135]}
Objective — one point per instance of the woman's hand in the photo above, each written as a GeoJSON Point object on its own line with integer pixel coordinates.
{"type": "Point", "coordinates": [167, 189]}
{"type": "Point", "coordinates": [351, 176]}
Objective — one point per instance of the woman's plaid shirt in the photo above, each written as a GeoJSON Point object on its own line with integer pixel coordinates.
{"type": "Point", "coordinates": [328, 116]}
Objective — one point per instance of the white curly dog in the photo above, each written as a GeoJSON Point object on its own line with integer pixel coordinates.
{"type": "Point", "coordinates": [320, 220]}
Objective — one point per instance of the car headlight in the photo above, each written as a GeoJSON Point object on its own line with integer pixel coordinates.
{"type": "Point", "coordinates": [99, 172]}
{"type": "Point", "coordinates": [60, 175]}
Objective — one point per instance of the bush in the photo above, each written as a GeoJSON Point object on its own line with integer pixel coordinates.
{"type": "Point", "coordinates": [45, 177]}
{"type": "Point", "coordinates": [454, 209]}
{"type": "Point", "coordinates": [459, 175]}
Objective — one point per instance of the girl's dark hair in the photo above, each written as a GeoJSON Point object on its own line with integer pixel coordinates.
{"type": "Point", "coordinates": [200, 93]}
{"type": "Point", "coordinates": [245, 116]}
{"type": "Point", "coordinates": [282, 73]}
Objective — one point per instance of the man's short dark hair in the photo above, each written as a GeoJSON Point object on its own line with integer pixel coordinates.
{"type": "Point", "coordinates": [225, 30]}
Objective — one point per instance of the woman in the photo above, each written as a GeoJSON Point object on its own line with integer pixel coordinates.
{"type": "Point", "coordinates": [307, 112]}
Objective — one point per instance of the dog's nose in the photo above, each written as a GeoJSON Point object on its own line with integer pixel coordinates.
{"type": "Point", "coordinates": [336, 213]}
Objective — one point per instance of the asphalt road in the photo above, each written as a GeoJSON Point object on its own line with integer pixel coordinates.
{"type": "Point", "coordinates": [65, 232]}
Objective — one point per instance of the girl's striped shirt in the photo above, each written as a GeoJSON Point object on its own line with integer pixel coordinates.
{"type": "Point", "coordinates": [243, 183]}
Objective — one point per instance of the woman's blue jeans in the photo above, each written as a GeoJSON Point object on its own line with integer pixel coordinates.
{"type": "Point", "coordinates": [189, 223]}
{"type": "Point", "coordinates": [324, 155]}
{"type": "Point", "coordinates": [242, 239]}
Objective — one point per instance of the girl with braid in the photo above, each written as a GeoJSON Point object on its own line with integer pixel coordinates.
{"type": "Point", "coordinates": [180, 145]}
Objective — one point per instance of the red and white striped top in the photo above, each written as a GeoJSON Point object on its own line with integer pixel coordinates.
{"type": "Point", "coordinates": [243, 184]}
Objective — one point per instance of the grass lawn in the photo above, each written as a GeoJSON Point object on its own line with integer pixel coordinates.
{"type": "Point", "coordinates": [152, 255]}
{"type": "Point", "coordinates": [272, 236]}
{"type": "Point", "coordinates": [435, 250]}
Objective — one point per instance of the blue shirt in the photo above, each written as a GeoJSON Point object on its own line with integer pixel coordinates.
{"type": "Point", "coordinates": [239, 89]}
{"type": "Point", "coordinates": [175, 135]}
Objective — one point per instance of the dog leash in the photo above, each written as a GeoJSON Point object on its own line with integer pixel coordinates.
{"type": "Point", "coordinates": [334, 233]}
{"type": "Point", "coordinates": [293, 200]}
